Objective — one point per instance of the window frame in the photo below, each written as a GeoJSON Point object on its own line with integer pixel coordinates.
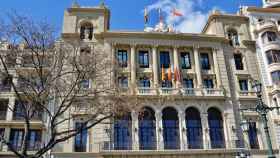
{"type": "Point", "coordinates": [205, 61]}
{"type": "Point", "coordinates": [185, 58]}
{"type": "Point", "coordinates": [122, 58]}
{"type": "Point", "coordinates": [142, 55]}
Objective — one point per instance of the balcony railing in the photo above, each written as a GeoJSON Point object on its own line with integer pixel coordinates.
{"type": "Point", "coordinates": [5, 88]}
{"type": "Point", "coordinates": [168, 91]}
{"type": "Point", "coordinates": [247, 94]}
{"type": "Point", "coordinates": [213, 92]}
{"type": "Point", "coordinates": [191, 92]}
{"type": "Point", "coordinates": [146, 91]}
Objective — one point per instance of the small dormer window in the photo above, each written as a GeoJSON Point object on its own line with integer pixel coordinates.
{"type": "Point", "coordinates": [233, 37]}
{"type": "Point", "coordinates": [86, 31]}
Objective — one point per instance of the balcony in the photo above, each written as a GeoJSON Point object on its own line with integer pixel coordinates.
{"type": "Point", "coordinates": [5, 88]}
{"type": "Point", "coordinates": [265, 24]}
{"type": "Point", "coordinates": [247, 95]}
{"type": "Point", "coordinates": [191, 92]}
{"type": "Point", "coordinates": [213, 92]}
{"type": "Point", "coordinates": [168, 91]}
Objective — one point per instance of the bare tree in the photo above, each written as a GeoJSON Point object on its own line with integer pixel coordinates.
{"type": "Point", "coordinates": [50, 80]}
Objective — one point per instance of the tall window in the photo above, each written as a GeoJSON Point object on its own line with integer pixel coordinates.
{"type": "Point", "coordinates": [253, 136]}
{"type": "Point", "coordinates": [188, 83]}
{"type": "Point", "coordinates": [147, 129]}
{"type": "Point", "coordinates": [122, 133]}
{"type": "Point", "coordinates": [233, 37]}
{"type": "Point", "coordinates": [243, 85]}
{"type": "Point", "coordinates": [81, 137]}
{"type": "Point", "coordinates": [86, 31]}
{"type": "Point", "coordinates": [275, 102]}
{"type": "Point", "coordinates": [34, 140]}
{"type": "Point", "coordinates": [85, 83]}
{"type": "Point", "coordinates": [273, 56]}
{"type": "Point", "coordinates": [16, 137]}
{"type": "Point", "coordinates": [144, 82]}
{"type": "Point", "coordinates": [3, 109]}
{"type": "Point", "coordinates": [238, 61]}
{"type": "Point", "coordinates": [216, 128]}
{"type": "Point", "coordinates": [185, 60]}
{"type": "Point", "coordinates": [171, 133]}
{"type": "Point", "coordinates": [269, 36]}
{"type": "Point", "coordinates": [204, 60]}
{"type": "Point", "coordinates": [164, 59]}
{"type": "Point", "coordinates": [143, 59]}
{"type": "Point", "coordinates": [275, 77]}
{"type": "Point", "coordinates": [2, 134]}
{"type": "Point", "coordinates": [208, 83]}
{"type": "Point", "coordinates": [194, 129]}
{"type": "Point", "coordinates": [18, 112]}
{"type": "Point", "coordinates": [123, 82]}
{"type": "Point", "coordinates": [122, 58]}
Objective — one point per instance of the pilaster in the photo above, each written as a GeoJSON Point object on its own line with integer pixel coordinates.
{"type": "Point", "coordinates": [159, 130]}
{"type": "Point", "coordinates": [135, 137]}
{"type": "Point", "coordinates": [176, 64]}
{"type": "Point", "coordinates": [183, 130]}
{"type": "Point", "coordinates": [197, 66]}
{"type": "Point", "coordinates": [155, 67]}
{"type": "Point", "coordinates": [216, 67]}
{"type": "Point", "coordinates": [206, 134]}
{"type": "Point", "coordinates": [133, 66]}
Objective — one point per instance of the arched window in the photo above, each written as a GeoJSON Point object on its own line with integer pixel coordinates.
{"type": "Point", "coordinates": [269, 36]}
{"type": "Point", "coordinates": [233, 37]}
{"type": "Point", "coordinates": [194, 129]}
{"type": "Point", "coordinates": [86, 31]}
{"type": "Point", "coordinates": [273, 56]}
{"type": "Point", "coordinates": [171, 133]}
{"type": "Point", "coordinates": [216, 128]}
{"type": "Point", "coordinates": [122, 133]}
{"type": "Point", "coordinates": [147, 129]}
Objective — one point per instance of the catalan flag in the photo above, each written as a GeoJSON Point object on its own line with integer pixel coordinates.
{"type": "Point", "coordinates": [169, 73]}
{"type": "Point", "coordinates": [162, 73]}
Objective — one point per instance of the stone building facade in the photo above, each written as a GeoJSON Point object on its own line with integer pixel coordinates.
{"type": "Point", "coordinates": [191, 87]}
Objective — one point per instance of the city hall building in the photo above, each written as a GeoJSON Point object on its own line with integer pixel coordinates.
{"type": "Point", "coordinates": [191, 87]}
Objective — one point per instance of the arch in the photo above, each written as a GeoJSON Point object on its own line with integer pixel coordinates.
{"type": "Point", "coordinates": [232, 35]}
{"type": "Point", "coordinates": [147, 129]}
{"type": "Point", "coordinates": [268, 36]}
{"type": "Point", "coordinates": [123, 132]}
{"type": "Point", "coordinates": [86, 30]}
{"type": "Point", "coordinates": [216, 129]}
{"type": "Point", "coordinates": [171, 133]}
{"type": "Point", "coordinates": [194, 128]}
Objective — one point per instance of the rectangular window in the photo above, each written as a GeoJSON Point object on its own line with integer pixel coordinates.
{"type": "Point", "coordinates": [273, 56]}
{"type": "Point", "coordinates": [238, 61]}
{"type": "Point", "coordinates": [185, 60]}
{"type": "Point", "coordinates": [275, 102]}
{"type": "Point", "coordinates": [143, 59]}
{"type": "Point", "coordinates": [34, 140]}
{"type": "Point", "coordinates": [85, 84]}
{"type": "Point", "coordinates": [81, 137]}
{"type": "Point", "coordinates": [3, 109]}
{"type": "Point", "coordinates": [144, 82]}
{"type": "Point", "coordinates": [166, 84]}
{"type": "Point", "coordinates": [16, 137]}
{"type": "Point", "coordinates": [188, 83]}
{"type": "Point", "coordinates": [208, 83]}
{"type": "Point", "coordinates": [18, 113]}
{"type": "Point", "coordinates": [204, 60]}
{"type": "Point", "coordinates": [243, 85]}
{"type": "Point", "coordinates": [164, 59]}
{"type": "Point", "coordinates": [123, 82]}
{"type": "Point", "coordinates": [253, 136]}
{"type": "Point", "coordinates": [122, 58]}
{"type": "Point", "coordinates": [275, 77]}
{"type": "Point", "coordinates": [6, 84]}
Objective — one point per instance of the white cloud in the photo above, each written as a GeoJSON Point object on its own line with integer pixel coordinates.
{"type": "Point", "coordinates": [193, 19]}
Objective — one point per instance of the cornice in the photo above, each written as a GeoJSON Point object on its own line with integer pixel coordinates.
{"type": "Point", "coordinates": [263, 10]}
{"type": "Point", "coordinates": [224, 16]}
{"type": "Point", "coordinates": [89, 10]}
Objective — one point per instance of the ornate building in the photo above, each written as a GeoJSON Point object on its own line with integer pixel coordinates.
{"type": "Point", "coordinates": [189, 85]}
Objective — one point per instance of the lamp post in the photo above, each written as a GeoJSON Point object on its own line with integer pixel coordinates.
{"type": "Point", "coordinates": [262, 110]}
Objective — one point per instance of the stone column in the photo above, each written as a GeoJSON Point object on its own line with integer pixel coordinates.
{"type": "Point", "coordinates": [155, 67]}
{"type": "Point", "coordinates": [183, 131]}
{"type": "Point", "coordinates": [176, 65]}
{"type": "Point", "coordinates": [159, 131]}
{"type": "Point", "coordinates": [133, 66]}
{"type": "Point", "coordinates": [216, 68]}
{"type": "Point", "coordinates": [135, 137]}
{"type": "Point", "coordinates": [227, 129]}
{"type": "Point", "coordinates": [205, 131]}
{"type": "Point", "coordinates": [11, 104]}
{"type": "Point", "coordinates": [197, 66]}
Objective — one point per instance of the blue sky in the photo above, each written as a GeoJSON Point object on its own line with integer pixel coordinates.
{"type": "Point", "coordinates": [128, 14]}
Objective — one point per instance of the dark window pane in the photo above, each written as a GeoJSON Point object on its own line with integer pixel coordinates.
{"type": "Point", "coordinates": [164, 59]}
{"type": "Point", "coordinates": [185, 61]}
{"type": "Point", "coordinates": [216, 128]}
{"type": "Point", "coordinates": [166, 84]}
{"type": "Point", "coordinates": [253, 136]}
{"type": "Point", "coordinates": [208, 83]}
{"type": "Point", "coordinates": [238, 61]}
{"type": "Point", "coordinates": [204, 60]}
{"type": "Point", "coordinates": [123, 82]}
{"type": "Point", "coordinates": [194, 129]}
{"type": "Point", "coordinates": [81, 138]}
{"type": "Point", "coordinates": [188, 83]}
{"type": "Point", "coordinates": [3, 109]}
{"type": "Point", "coordinates": [122, 133]}
{"type": "Point", "coordinates": [16, 137]}
{"type": "Point", "coordinates": [243, 84]}
{"type": "Point", "coordinates": [122, 58]}
{"type": "Point", "coordinates": [144, 82]}
{"type": "Point", "coordinates": [273, 56]}
{"type": "Point", "coordinates": [275, 77]}
{"type": "Point", "coordinates": [143, 59]}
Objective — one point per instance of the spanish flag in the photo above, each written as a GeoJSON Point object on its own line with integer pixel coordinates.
{"type": "Point", "coordinates": [162, 73]}
{"type": "Point", "coordinates": [169, 73]}
{"type": "Point", "coordinates": [176, 12]}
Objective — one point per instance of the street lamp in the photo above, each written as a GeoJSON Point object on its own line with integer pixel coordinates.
{"type": "Point", "coordinates": [262, 110]}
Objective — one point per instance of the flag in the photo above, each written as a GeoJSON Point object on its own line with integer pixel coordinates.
{"type": "Point", "coordinates": [146, 16]}
{"type": "Point", "coordinates": [160, 16]}
{"type": "Point", "coordinates": [176, 12]}
{"type": "Point", "coordinates": [169, 73]}
{"type": "Point", "coordinates": [162, 73]}
{"type": "Point", "coordinates": [177, 74]}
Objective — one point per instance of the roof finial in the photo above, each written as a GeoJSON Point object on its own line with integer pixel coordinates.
{"type": "Point", "coordinates": [75, 4]}
{"type": "Point", "coordinates": [102, 4]}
